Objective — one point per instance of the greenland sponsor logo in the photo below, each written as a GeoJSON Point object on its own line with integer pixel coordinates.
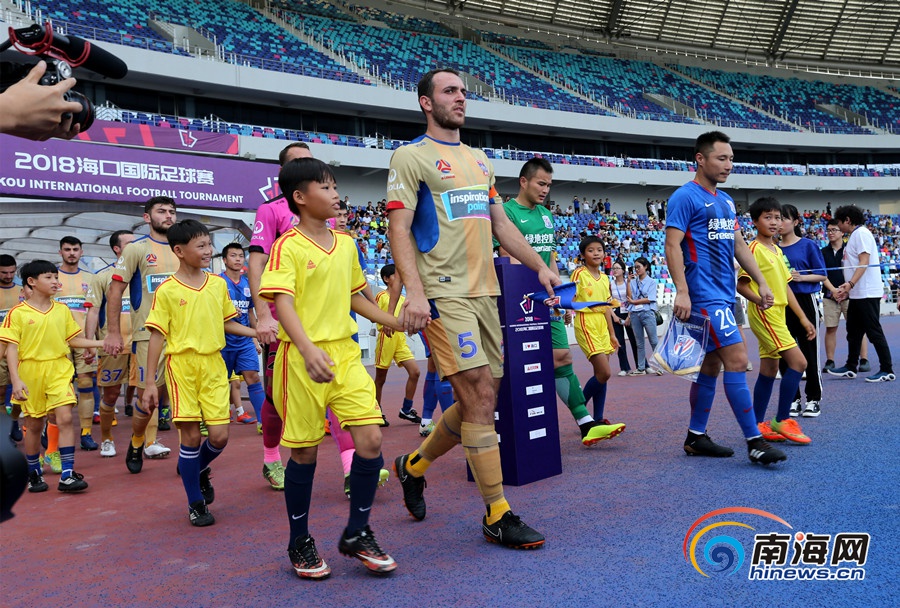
{"type": "Point", "coordinates": [526, 346]}
{"type": "Point", "coordinates": [537, 433]}
{"type": "Point", "coordinates": [467, 203]}
{"type": "Point", "coordinates": [532, 367]}
{"type": "Point", "coordinates": [537, 389]}
{"type": "Point", "coordinates": [535, 411]}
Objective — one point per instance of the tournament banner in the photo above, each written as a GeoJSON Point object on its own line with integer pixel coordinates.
{"type": "Point", "coordinates": [148, 136]}
{"type": "Point", "coordinates": [72, 170]}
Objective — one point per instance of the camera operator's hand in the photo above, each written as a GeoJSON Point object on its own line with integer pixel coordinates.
{"type": "Point", "coordinates": [33, 111]}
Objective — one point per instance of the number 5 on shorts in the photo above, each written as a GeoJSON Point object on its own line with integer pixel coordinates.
{"type": "Point", "coordinates": [467, 346]}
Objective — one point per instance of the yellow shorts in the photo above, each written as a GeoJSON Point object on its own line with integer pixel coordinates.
{"type": "Point", "coordinates": [771, 331]}
{"type": "Point", "coordinates": [391, 349]}
{"type": "Point", "coordinates": [77, 358]}
{"type": "Point", "coordinates": [464, 333]}
{"type": "Point", "coordinates": [113, 371]}
{"type": "Point", "coordinates": [49, 385]}
{"type": "Point", "coordinates": [301, 402]}
{"type": "Point", "coordinates": [138, 369]}
{"type": "Point", "coordinates": [198, 388]}
{"type": "Point", "coordinates": [4, 371]}
{"type": "Point", "coordinates": [592, 334]}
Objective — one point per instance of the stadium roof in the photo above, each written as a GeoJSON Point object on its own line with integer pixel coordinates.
{"type": "Point", "coordinates": [848, 32]}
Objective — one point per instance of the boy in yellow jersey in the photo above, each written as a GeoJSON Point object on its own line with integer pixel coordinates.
{"type": "Point", "coordinates": [74, 284]}
{"type": "Point", "coordinates": [314, 278]}
{"type": "Point", "coordinates": [112, 370]}
{"type": "Point", "coordinates": [770, 328]}
{"type": "Point", "coordinates": [392, 347]}
{"type": "Point", "coordinates": [40, 333]}
{"type": "Point", "coordinates": [594, 330]}
{"type": "Point", "coordinates": [142, 268]}
{"type": "Point", "coordinates": [192, 311]}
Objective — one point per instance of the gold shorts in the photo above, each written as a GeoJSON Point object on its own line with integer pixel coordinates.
{"type": "Point", "coordinates": [464, 333]}
{"type": "Point", "coordinates": [77, 358]}
{"type": "Point", "coordinates": [301, 402]}
{"type": "Point", "coordinates": [139, 365]}
{"type": "Point", "coordinates": [113, 370]}
{"type": "Point", "coordinates": [4, 371]}
{"type": "Point", "coordinates": [198, 388]}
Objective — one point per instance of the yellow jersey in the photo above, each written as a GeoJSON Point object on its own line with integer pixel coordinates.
{"type": "Point", "coordinates": [144, 265]}
{"type": "Point", "coordinates": [73, 292]}
{"type": "Point", "coordinates": [41, 336]}
{"type": "Point", "coordinates": [589, 289]}
{"type": "Point", "coordinates": [383, 300]}
{"type": "Point", "coordinates": [192, 320]}
{"type": "Point", "coordinates": [96, 297]}
{"type": "Point", "coordinates": [321, 282]}
{"type": "Point", "coordinates": [775, 269]}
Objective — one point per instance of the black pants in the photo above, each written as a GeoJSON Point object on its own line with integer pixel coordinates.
{"type": "Point", "coordinates": [809, 348]}
{"type": "Point", "coordinates": [620, 336]}
{"type": "Point", "coordinates": [863, 320]}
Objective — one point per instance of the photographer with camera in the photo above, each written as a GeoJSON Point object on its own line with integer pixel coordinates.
{"type": "Point", "coordinates": [32, 111]}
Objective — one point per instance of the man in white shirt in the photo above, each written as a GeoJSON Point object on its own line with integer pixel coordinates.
{"type": "Point", "coordinates": [864, 287]}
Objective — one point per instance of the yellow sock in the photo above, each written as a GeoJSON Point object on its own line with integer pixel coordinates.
{"type": "Point", "coordinates": [495, 511]}
{"type": "Point", "coordinates": [416, 465]}
{"type": "Point", "coordinates": [136, 441]}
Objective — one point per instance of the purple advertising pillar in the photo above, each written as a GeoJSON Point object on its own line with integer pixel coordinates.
{"type": "Point", "coordinates": [526, 418]}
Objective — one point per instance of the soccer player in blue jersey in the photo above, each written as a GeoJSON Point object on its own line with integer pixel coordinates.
{"type": "Point", "coordinates": [241, 353]}
{"type": "Point", "coordinates": [702, 240]}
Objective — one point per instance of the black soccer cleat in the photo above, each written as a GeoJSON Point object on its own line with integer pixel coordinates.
{"type": "Point", "coordinates": [36, 482]}
{"type": "Point", "coordinates": [199, 514]}
{"type": "Point", "coordinates": [412, 415]}
{"type": "Point", "coordinates": [363, 546]}
{"type": "Point", "coordinates": [306, 561]}
{"type": "Point", "coordinates": [760, 451]}
{"type": "Point", "coordinates": [209, 494]}
{"type": "Point", "coordinates": [134, 458]}
{"type": "Point", "coordinates": [702, 445]}
{"type": "Point", "coordinates": [510, 531]}
{"type": "Point", "coordinates": [73, 483]}
{"type": "Point", "coordinates": [413, 488]}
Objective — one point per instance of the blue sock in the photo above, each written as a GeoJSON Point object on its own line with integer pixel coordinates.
{"type": "Point", "coordinates": [739, 398]}
{"type": "Point", "coordinates": [257, 396]}
{"type": "Point", "coordinates": [590, 388]}
{"type": "Point", "coordinates": [363, 483]}
{"type": "Point", "coordinates": [407, 405]}
{"type": "Point", "coordinates": [600, 402]}
{"type": "Point", "coordinates": [189, 467]}
{"type": "Point", "coordinates": [703, 392]}
{"type": "Point", "coordinates": [67, 458]}
{"type": "Point", "coordinates": [429, 395]}
{"type": "Point", "coordinates": [298, 484]}
{"type": "Point", "coordinates": [208, 453]}
{"type": "Point", "coordinates": [790, 382]}
{"type": "Point", "coordinates": [34, 463]}
{"type": "Point", "coordinates": [445, 394]}
{"type": "Point", "coordinates": [762, 392]}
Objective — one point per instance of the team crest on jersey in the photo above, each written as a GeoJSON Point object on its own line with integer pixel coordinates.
{"type": "Point", "coordinates": [84, 287]}
{"type": "Point", "coordinates": [246, 292]}
{"type": "Point", "coordinates": [151, 259]}
{"type": "Point", "coordinates": [547, 222]}
{"type": "Point", "coordinates": [443, 166]}
{"type": "Point", "coordinates": [483, 168]}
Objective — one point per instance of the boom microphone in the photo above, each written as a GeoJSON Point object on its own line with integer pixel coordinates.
{"type": "Point", "coordinates": [94, 58]}
{"type": "Point", "coordinates": [77, 52]}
